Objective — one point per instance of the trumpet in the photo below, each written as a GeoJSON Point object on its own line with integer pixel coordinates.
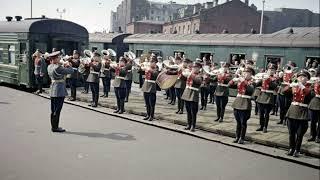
{"type": "Point", "coordinates": [207, 70]}
{"type": "Point", "coordinates": [260, 76]}
{"type": "Point", "coordinates": [314, 80]}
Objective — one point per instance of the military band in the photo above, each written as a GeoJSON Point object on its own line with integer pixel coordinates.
{"type": "Point", "coordinates": [296, 93]}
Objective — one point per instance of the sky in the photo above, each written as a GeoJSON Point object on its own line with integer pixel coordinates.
{"type": "Point", "coordinates": [95, 14]}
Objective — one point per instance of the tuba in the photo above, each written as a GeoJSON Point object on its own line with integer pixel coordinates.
{"type": "Point", "coordinates": [86, 60]}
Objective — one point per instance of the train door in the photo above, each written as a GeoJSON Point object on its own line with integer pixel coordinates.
{"type": "Point", "coordinates": [24, 71]}
{"type": "Point", "coordinates": [235, 58]}
{"type": "Point", "coordinates": [274, 59]}
{"type": "Point", "coordinates": [309, 61]}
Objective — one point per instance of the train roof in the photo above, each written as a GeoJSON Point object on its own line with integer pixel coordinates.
{"type": "Point", "coordinates": [106, 37]}
{"type": "Point", "coordinates": [301, 37]}
{"type": "Point", "coordinates": [43, 26]}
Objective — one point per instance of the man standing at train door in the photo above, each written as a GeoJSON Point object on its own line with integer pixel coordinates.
{"type": "Point", "coordinates": [58, 88]}
{"type": "Point", "coordinates": [39, 69]}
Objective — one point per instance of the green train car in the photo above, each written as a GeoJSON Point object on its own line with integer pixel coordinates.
{"type": "Point", "coordinates": [294, 44]}
{"type": "Point", "coordinates": [19, 39]}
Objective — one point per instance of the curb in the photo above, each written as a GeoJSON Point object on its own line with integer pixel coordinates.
{"type": "Point", "coordinates": [198, 134]}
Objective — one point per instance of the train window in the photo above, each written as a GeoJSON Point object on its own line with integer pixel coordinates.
{"type": "Point", "coordinates": [277, 60]}
{"type": "Point", "coordinates": [205, 54]}
{"type": "Point", "coordinates": [156, 52]}
{"type": "Point", "coordinates": [1, 55]}
{"type": "Point", "coordinates": [236, 58]}
{"type": "Point", "coordinates": [309, 62]}
{"type": "Point", "coordinates": [94, 48]}
{"type": "Point", "coordinates": [139, 52]}
{"type": "Point", "coordinates": [11, 54]}
{"type": "Point", "coordinates": [178, 53]}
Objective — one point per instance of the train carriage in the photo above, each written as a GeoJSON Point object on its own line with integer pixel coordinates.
{"type": "Point", "coordinates": [295, 44]}
{"type": "Point", "coordinates": [19, 39]}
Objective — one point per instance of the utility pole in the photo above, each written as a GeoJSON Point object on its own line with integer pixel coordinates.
{"type": "Point", "coordinates": [31, 8]}
{"type": "Point", "coordinates": [262, 14]}
{"type": "Point", "coordinates": [61, 12]}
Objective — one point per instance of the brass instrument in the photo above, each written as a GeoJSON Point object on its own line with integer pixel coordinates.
{"type": "Point", "coordinates": [207, 70]}
{"type": "Point", "coordinates": [260, 76]}
{"type": "Point", "coordinates": [85, 61]}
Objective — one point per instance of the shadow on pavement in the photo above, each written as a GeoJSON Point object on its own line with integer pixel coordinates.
{"type": "Point", "coordinates": [4, 102]}
{"type": "Point", "coordinates": [113, 136]}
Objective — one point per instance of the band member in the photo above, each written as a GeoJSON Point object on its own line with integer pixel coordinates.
{"type": "Point", "coordinates": [93, 78]}
{"type": "Point", "coordinates": [171, 90]}
{"type": "Point", "coordinates": [149, 88]}
{"type": "Point", "coordinates": [265, 99]}
{"type": "Point", "coordinates": [39, 69]}
{"type": "Point", "coordinates": [119, 84]}
{"type": "Point", "coordinates": [298, 112]}
{"type": "Point", "coordinates": [128, 78]}
{"type": "Point", "coordinates": [75, 62]}
{"type": "Point", "coordinates": [105, 73]}
{"type": "Point", "coordinates": [58, 88]}
{"type": "Point", "coordinates": [222, 91]}
{"type": "Point", "coordinates": [284, 98]}
{"type": "Point", "coordinates": [213, 82]}
{"type": "Point", "coordinates": [204, 88]}
{"type": "Point", "coordinates": [85, 76]}
{"type": "Point", "coordinates": [242, 104]}
{"type": "Point", "coordinates": [191, 95]}
{"type": "Point", "coordinates": [314, 108]}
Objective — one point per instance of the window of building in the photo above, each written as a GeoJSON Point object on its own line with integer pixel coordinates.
{"type": "Point", "coordinates": [179, 29]}
{"type": "Point", "coordinates": [23, 52]}
{"type": "Point", "coordinates": [1, 55]}
{"type": "Point", "coordinates": [184, 27]}
{"type": "Point", "coordinates": [11, 54]}
{"type": "Point", "coordinates": [178, 53]}
{"type": "Point", "coordinates": [156, 52]}
{"type": "Point", "coordinates": [152, 12]}
{"type": "Point", "coordinates": [205, 54]}
{"type": "Point", "coordinates": [188, 28]}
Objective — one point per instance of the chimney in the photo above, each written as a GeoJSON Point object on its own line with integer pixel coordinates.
{"type": "Point", "coordinates": [9, 18]}
{"type": "Point", "coordinates": [18, 18]}
{"type": "Point", "coordinates": [246, 2]}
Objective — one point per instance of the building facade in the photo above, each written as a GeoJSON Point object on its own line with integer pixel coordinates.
{"type": "Point", "coordinates": [145, 27]}
{"type": "Point", "coordinates": [233, 17]}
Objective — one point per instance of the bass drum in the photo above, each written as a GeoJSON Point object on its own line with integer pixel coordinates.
{"type": "Point", "coordinates": [166, 81]}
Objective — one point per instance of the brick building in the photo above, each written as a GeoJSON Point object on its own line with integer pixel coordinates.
{"type": "Point", "coordinates": [233, 16]}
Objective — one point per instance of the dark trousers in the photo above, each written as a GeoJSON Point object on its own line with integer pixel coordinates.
{"type": "Point", "coordinates": [106, 85]}
{"type": "Point", "coordinates": [141, 80]}
{"type": "Point", "coordinates": [121, 96]}
{"type": "Point", "coordinates": [179, 92]}
{"type": "Point", "coordinates": [297, 129]}
{"type": "Point", "coordinates": [256, 107]}
{"type": "Point", "coordinates": [128, 88]}
{"type": "Point", "coordinates": [192, 111]}
{"type": "Point", "coordinates": [264, 114]}
{"type": "Point", "coordinates": [73, 87]}
{"type": "Point", "coordinates": [315, 124]}
{"type": "Point", "coordinates": [284, 104]}
{"type": "Point", "coordinates": [172, 94]}
{"type": "Point", "coordinates": [241, 116]}
{"type": "Point", "coordinates": [95, 93]}
{"type": "Point", "coordinates": [221, 103]}
{"type": "Point", "coordinates": [39, 82]}
{"type": "Point", "coordinates": [275, 106]}
{"type": "Point", "coordinates": [86, 84]}
{"type": "Point", "coordinates": [150, 101]}
{"type": "Point", "coordinates": [204, 93]}
{"type": "Point", "coordinates": [212, 90]}
{"type": "Point", "coordinates": [56, 107]}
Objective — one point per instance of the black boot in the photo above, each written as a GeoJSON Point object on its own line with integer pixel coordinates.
{"type": "Point", "coordinates": [218, 115]}
{"type": "Point", "coordinates": [52, 121]}
{"type": "Point", "coordinates": [95, 100]}
{"type": "Point", "coordinates": [118, 106]}
{"type": "Point", "coordinates": [238, 133]}
{"type": "Point", "coordinates": [280, 122]}
{"type": "Point", "coordinates": [179, 104]}
{"type": "Point", "coordinates": [151, 114]}
{"type": "Point", "coordinates": [127, 97]}
{"type": "Point", "coordinates": [121, 106]}
{"type": "Point", "coordinates": [260, 128]}
{"type": "Point", "coordinates": [181, 107]}
{"type": "Point", "coordinates": [56, 124]}
{"type": "Point", "coordinates": [107, 94]}
{"type": "Point", "coordinates": [290, 152]}
{"type": "Point", "coordinates": [296, 154]}
{"type": "Point", "coordinates": [148, 113]}
{"type": "Point", "coordinates": [311, 139]}
{"type": "Point", "coordinates": [189, 124]}
{"type": "Point", "coordinates": [243, 135]}
{"type": "Point", "coordinates": [193, 126]}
